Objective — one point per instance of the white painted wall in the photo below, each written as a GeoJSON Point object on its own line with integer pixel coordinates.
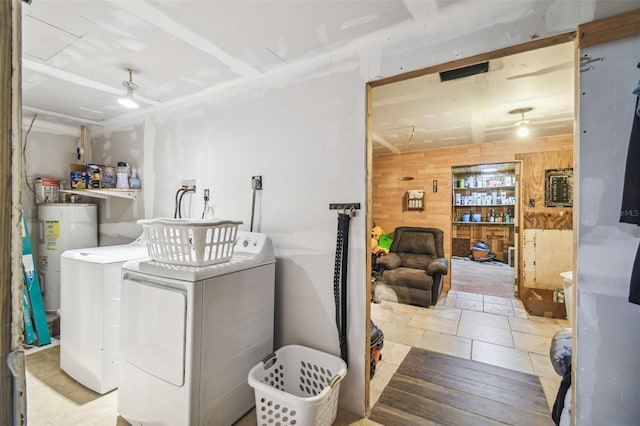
{"type": "Point", "coordinates": [608, 341]}
{"type": "Point", "coordinates": [46, 155]}
{"type": "Point", "coordinates": [309, 148]}
{"type": "Point", "coordinates": [118, 215]}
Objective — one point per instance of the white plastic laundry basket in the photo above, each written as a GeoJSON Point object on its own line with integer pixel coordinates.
{"type": "Point", "coordinates": [190, 242]}
{"type": "Point", "coordinates": [297, 385]}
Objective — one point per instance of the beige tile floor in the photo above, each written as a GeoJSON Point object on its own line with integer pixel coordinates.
{"type": "Point", "coordinates": [489, 329]}
{"type": "Point", "coordinates": [495, 330]}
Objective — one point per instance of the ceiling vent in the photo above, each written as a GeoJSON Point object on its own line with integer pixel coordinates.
{"type": "Point", "coordinates": [464, 71]}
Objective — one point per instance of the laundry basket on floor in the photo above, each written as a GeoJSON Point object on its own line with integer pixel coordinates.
{"type": "Point", "coordinates": [297, 385]}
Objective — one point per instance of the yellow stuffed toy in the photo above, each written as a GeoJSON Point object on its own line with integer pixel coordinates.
{"type": "Point", "coordinates": [376, 231]}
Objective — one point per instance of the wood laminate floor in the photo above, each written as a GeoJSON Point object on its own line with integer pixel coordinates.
{"type": "Point", "coordinates": [444, 389]}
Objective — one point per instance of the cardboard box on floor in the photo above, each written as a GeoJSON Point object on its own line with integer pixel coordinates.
{"type": "Point", "coordinates": [539, 302]}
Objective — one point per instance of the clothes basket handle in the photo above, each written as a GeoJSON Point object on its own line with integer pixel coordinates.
{"type": "Point", "coordinates": [271, 358]}
{"type": "Point", "coordinates": [334, 380]}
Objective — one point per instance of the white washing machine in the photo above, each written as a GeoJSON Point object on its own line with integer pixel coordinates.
{"type": "Point", "coordinates": [189, 336]}
{"type": "Point", "coordinates": [90, 312]}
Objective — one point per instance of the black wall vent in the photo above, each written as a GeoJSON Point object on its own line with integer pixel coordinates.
{"type": "Point", "coordinates": [464, 71]}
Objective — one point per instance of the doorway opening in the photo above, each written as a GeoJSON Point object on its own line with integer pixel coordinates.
{"type": "Point", "coordinates": [484, 237]}
{"type": "Point", "coordinates": [422, 129]}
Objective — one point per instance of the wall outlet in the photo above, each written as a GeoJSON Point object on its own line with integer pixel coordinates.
{"type": "Point", "coordinates": [256, 182]}
{"type": "Point", "coordinates": [189, 184]}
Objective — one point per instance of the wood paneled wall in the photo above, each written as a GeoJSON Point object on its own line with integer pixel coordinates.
{"type": "Point", "coordinates": [532, 188]}
{"type": "Point", "coordinates": [435, 164]}
{"type": "Point", "coordinates": [539, 267]}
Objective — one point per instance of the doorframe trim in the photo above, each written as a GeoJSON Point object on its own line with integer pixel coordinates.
{"type": "Point", "coordinates": [608, 29]}
{"type": "Point", "coordinates": [482, 57]}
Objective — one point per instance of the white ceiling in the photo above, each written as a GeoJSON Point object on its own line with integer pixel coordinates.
{"type": "Point", "coordinates": [425, 113]}
{"type": "Point", "coordinates": [76, 55]}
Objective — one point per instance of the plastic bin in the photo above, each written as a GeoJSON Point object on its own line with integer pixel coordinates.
{"type": "Point", "coordinates": [567, 283]}
{"type": "Point", "coordinates": [385, 241]}
{"type": "Point", "coordinates": [297, 385]}
{"type": "Point", "coordinates": [190, 242]}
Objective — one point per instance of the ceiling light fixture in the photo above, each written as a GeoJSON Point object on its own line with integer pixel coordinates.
{"type": "Point", "coordinates": [127, 100]}
{"type": "Point", "coordinates": [523, 129]}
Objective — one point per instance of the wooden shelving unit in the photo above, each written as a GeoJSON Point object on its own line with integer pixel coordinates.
{"type": "Point", "coordinates": [412, 203]}
{"type": "Point", "coordinates": [488, 191]}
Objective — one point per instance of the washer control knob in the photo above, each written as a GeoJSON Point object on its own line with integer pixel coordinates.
{"type": "Point", "coordinates": [245, 243]}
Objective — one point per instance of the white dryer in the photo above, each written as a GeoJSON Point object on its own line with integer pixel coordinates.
{"type": "Point", "coordinates": [90, 312]}
{"type": "Point", "coordinates": [189, 336]}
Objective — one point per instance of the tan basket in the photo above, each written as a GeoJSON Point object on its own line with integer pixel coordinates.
{"type": "Point", "coordinates": [190, 242]}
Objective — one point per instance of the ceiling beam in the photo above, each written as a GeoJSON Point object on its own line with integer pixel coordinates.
{"type": "Point", "coordinates": [57, 114]}
{"type": "Point", "coordinates": [155, 17]}
{"type": "Point", "coordinates": [49, 127]}
{"type": "Point", "coordinates": [382, 141]}
{"type": "Point", "coordinates": [421, 10]}
{"type": "Point", "coordinates": [80, 81]}
{"type": "Point", "coordinates": [339, 57]}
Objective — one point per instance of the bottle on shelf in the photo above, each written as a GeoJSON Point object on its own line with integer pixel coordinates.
{"type": "Point", "coordinates": [135, 180]}
{"type": "Point", "coordinates": [122, 175]}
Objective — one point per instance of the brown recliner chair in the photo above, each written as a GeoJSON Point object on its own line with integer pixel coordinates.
{"type": "Point", "coordinates": [415, 265]}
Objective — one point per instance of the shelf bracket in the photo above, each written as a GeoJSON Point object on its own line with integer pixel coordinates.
{"type": "Point", "coordinates": [103, 194]}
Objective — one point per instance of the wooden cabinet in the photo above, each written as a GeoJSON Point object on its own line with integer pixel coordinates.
{"type": "Point", "coordinates": [484, 199]}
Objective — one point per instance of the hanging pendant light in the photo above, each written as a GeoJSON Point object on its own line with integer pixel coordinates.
{"type": "Point", "coordinates": [128, 100]}
{"type": "Point", "coordinates": [523, 129]}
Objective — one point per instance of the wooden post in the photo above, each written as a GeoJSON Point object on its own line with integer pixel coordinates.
{"type": "Point", "coordinates": [10, 207]}
{"type": "Point", "coordinates": [6, 24]}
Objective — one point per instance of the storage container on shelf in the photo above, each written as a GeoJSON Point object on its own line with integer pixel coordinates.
{"type": "Point", "coordinates": [109, 177]}
{"type": "Point", "coordinates": [47, 190]}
